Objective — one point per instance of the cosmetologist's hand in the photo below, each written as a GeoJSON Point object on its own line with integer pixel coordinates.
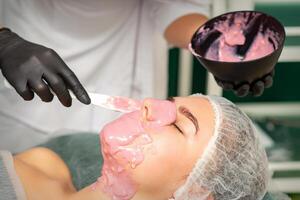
{"type": "Point", "coordinates": [255, 88]}
{"type": "Point", "coordinates": [31, 68]}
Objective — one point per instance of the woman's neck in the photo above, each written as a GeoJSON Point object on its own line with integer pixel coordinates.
{"type": "Point", "coordinates": [95, 192]}
{"type": "Point", "coordinates": [43, 174]}
{"type": "Point", "coordinates": [91, 192]}
{"type": "Point", "coordinates": [40, 181]}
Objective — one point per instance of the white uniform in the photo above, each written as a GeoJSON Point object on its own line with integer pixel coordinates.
{"type": "Point", "coordinates": [107, 43]}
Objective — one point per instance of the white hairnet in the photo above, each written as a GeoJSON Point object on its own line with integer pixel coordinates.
{"type": "Point", "coordinates": [234, 165]}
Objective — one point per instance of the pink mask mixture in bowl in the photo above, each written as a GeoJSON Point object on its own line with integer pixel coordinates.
{"type": "Point", "coordinates": [237, 37]}
{"type": "Point", "coordinates": [239, 47]}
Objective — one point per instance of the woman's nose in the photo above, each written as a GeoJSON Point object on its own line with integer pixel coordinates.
{"type": "Point", "coordinates": [159, 112]}
{"type": "Point", "coordinates": [147, 110]}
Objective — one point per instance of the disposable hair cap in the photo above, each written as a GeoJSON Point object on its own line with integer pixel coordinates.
{"type": "Point", "coordinates": [234, 165]}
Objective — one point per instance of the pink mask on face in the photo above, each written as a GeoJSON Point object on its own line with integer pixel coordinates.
{"type": "Point", "coordinates": [122, 143]}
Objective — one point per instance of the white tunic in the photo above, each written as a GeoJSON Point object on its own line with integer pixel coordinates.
{"type": "Point", "coordinates": [107, 43]}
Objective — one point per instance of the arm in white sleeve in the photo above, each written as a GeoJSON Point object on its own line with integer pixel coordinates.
{"type": "Point", "coordinates": [179, 19]}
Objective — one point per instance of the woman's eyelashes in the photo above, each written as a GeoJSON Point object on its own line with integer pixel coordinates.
{"type": "Point", "coordinates": [174, 124]}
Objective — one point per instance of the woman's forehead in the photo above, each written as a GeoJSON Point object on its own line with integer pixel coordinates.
{"type": "Point", "coordinates": [191, 101]}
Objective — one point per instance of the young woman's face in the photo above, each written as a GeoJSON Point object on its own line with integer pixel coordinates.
{"type": "Point", "coordinates": [174, 148]}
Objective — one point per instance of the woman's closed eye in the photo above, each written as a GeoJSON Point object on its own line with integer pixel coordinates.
{"type": "Point", "coordinates": [175, 125]}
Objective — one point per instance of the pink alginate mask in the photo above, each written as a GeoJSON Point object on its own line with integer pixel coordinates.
{"type": "Point", "coordinates": [122, 143]}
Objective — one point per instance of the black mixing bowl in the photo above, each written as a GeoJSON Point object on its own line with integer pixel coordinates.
{"type": "Point", "coordinates": [243, 71]}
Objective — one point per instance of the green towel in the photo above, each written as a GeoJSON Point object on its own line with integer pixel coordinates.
{"type": "Point", "coordinates": [81, 153]}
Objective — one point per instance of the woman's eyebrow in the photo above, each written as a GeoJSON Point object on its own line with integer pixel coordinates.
{"type": "Point", "coordinates": [183, 110]}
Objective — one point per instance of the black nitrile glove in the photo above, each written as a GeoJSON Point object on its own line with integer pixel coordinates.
{"type": "Point", "coordinates": [255, 88]}
{"type": "Point", "coordinates": [31, 68]}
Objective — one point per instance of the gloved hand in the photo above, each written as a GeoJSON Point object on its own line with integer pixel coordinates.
{"type": "Point", "coordinates": [255, 88]}
{"type": "Point", "coordinates": [31, 68]}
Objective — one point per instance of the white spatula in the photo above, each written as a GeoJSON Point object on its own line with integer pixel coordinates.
{"type": "Point", "coordinates": [115, 103]}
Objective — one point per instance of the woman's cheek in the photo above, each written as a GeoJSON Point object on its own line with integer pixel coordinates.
{"type": "Point", "coordinates": [153, 173]}
{"type": "Point", "coordinates": [161, 159]}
